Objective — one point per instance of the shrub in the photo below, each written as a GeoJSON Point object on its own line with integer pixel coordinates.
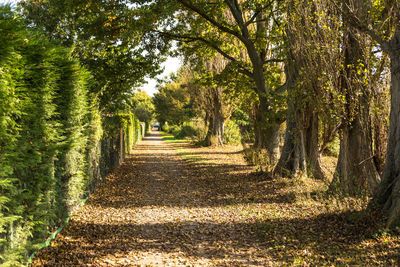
{"type": "Point", "coordinates": [166, 128]}
{"type": "Point", "coordinates": [332, 149]}
{"type": "Point", "coordinates": [186, 131]}
{"type": "Point", "coordinates": [44, 118]}
{"type": "Point", "coordinates": [174, 130]}
{"type": "Point", "coordinates": [232, 133]}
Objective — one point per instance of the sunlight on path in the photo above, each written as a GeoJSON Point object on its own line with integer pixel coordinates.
{"type": "Point", "coordinates": [174, 204]}
{"type": "Point", "coordinates": [157, 210]}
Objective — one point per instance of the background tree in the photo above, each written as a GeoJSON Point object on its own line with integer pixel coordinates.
{"type": "Point", "coordinates": [143, 107]}
{"type": "Point", "coordinates": [172, 101]}
{"type": "Point", "coordinates": [246, 33]}
{"type": "Point", "coordinates": [209, 97]}
{"type": "Point", "coordinates": [106, 39]}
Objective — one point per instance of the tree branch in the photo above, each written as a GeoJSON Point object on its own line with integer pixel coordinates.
{"type": "Point", "coordinates": [213, 45]}
{"type": "Point", "coordinates": [210, 19]}
{"type": "Point", "coordinates": [356, 23]}
{"type": "Point", "coordinates": [252, 19]}
{"type": "Point", "coordinates": [281, 89]}
{"type": "Point", "coordinates": [273, 60]}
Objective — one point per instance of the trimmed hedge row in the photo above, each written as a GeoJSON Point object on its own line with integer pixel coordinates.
{"type": "Point", "coordinates": [54, 145]}
{"type": "Point", "coordinates": [121, 133]}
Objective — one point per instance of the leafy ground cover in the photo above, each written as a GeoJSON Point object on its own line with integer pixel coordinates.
{"type": "Point", "coordinates": [174, 204]}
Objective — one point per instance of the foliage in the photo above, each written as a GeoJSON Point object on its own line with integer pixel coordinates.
{"type": "Point", "coordinates": [130, 125]}
{"type": "Point", "coordinates": [185, 131]}
{"type": "Point", "coordinates": [106, 39]}
{"type": "Point", "coordinates": [172, 103]}
{"type": "Point", "coordinates": [332, 149]}
{"type": "Point", "coordinates": [188, 129]}
{"type": "Point", "coordinates": [174, 130]}
{"type": "Point", "coordinates": [143, 107]}
{"type": "Point", "coordinates": [232, 133]}
{"type": "Point", "coordinates": [49, 137]}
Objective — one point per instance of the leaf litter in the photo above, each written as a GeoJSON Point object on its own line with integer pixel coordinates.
{"type": "Point", "coordinates": [175, 204]}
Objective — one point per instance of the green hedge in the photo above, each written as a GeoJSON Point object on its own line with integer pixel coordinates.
{"type": "Point", "coordinates": [122, 126]}
{"type": "Point", "coordinates": [53, 148]}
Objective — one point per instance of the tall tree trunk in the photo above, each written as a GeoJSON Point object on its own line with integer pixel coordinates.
{"type": "Point", "coordinates": [267, 133]}
{"type": "Point", "coordinates": [215, 133]}
{"type": "Point", "coordinates": [313, 157]}
{"type": "Point", "coordinates": [380, 141]}
{"type": "Point", "coordinates": [300, 153]}
{"type": "Point", "coordinates": [388, 193]}
{"type": "Point", "coordinates": [217, 115]}
{"type": "Point", "coordinates": [355, 170]}
{"type": "Point", "coordinates": [293, 159]}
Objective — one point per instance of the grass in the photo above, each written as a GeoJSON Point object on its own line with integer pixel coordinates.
{"type": "Point", "coordinates": [169, 138]}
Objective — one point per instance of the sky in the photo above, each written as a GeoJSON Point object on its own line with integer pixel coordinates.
{"type": "Point", "coordinates": [171, 65]}
{"type": "Point", "coordinates": [8, 1]}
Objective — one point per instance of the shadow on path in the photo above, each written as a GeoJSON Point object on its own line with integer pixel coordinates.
{"type": "Point", "coordinates": [159, 209]}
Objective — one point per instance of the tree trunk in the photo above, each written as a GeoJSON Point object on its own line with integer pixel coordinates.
{"type": "Point", "coordinates": [380, 141]}
{"type": "Point", "coordinates": [293, 159]}
{"type": "Point", "coordinates": [216, 117]}
{"type": "Point", "coordinates": [388, 193]}
{"type": "Point", "coordinates": [215, 133]}
{"type": "Point", "coordinates": [355, 170]}
{"type": "Point", "coordinates": [300, 153]}
{"type": "Point", "coordinates": [313, 157]}
{"type": "Point", "coordinates": [267, 134]}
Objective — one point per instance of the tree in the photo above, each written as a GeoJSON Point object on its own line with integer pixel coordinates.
{"type": "Point", "coordinates": [208, 95]}
{"type": "Point", "coordinates": [247, 33]}
{"type": "Point", "coordinates": [107, 41]}
{"type": "Point", "coordinates": [172, 101]}
{"type": "Point", "coordinates": [356, 170]}
{"type": "Point", "coordinates": [143, 107]}
{"type": "Point", "coordinates": [384, 28]}
{"type": "Point", "coordinates": [301, 153]}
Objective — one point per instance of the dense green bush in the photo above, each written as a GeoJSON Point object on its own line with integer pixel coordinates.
{"type": "Point", "coordinates": [185, 131]}
{"type": "Point", "coordinates": [10, 112]}
{"type": "Point", "coordinates": [51, 138]}
{"type": "Point", "coordinates": [32, 157]}
{"type": "Point", "coordinates": [165, 128]}
{"type": "Point", "coordinates": [131, 129]}
{"type": "Point", "coordinates": [174, 130]}
{"type": "Point", "coordinates": [232, 133]}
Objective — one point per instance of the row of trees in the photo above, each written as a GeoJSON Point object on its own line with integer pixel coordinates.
{"type": "Point", "coordinates": [320, 67]}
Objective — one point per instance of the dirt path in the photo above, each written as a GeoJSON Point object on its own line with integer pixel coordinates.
{"type": "Point", "coordinates": [173, 204]}
{"type": "Point", "coordinates": [156, 210]}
